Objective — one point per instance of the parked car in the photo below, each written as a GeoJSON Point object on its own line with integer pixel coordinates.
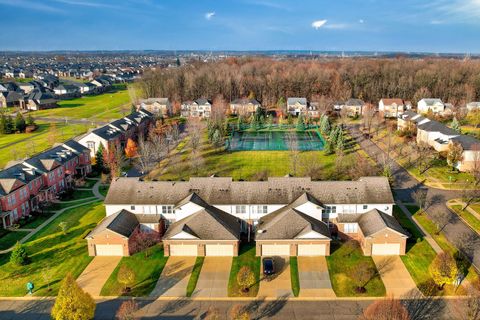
{"type": "Point", "coordinates": [268, 266]}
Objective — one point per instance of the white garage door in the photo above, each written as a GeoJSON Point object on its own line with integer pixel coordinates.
{"type": "Point", "coordinates": [275, 249]}
{"type": "Point", "coordinates": [109, 249]}
{"type": "Point", "coordinates": [385, 249]}
{"type": "Point", "coordinates": [189, 250]}
{"type": "Point", "coordinates": [219, 250]}
{"type": "Point", "coordinates": [311, 249]}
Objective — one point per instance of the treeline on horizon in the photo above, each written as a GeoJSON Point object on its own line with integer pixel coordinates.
{"type": "Point", "coordinates": [271, 81]}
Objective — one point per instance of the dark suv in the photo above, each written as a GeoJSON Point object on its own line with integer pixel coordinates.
{"type": "Point", "coordinates": [268, 266]}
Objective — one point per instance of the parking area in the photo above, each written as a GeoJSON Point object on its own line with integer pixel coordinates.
{"type": "Point", "coordinates": [395, 276]}
{"type": "Point", "coordinates": [314, 277]}
{"type": "Point", "coordinates": [213, 279]}
{"type": "Point", "coordinates": [174, 278]}
{"type": "Point", "coordinates": [279, 284]}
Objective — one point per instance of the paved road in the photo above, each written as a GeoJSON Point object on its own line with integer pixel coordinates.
{"type": "Point", "coordinates": [259, 309]}
{"type": "Point", "coordinates": [456, 230]}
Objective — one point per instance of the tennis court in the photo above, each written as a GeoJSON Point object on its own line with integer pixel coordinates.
{"type": "Point", "coordinates": [275, 140]}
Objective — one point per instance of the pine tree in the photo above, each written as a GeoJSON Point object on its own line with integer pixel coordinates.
{"type": "Point", "coordinates": [19, 255]}
{"type": "Point", "coordinates": [300, 123]}
{"type": "Point", "coordinates": [456, 125]}
{"type": "Point", "coordinates": [3, 124]}
{"type": "Point", "coordinates": [9, 124]}
{"type": "Point", "coordinates": [20, 124]}
{"type": "Point", "coordinates": [217, 139]}
{"type": "Point", "coordinates": [325, 125]}
{"type": "Point", "coordinates": [340, 141]}
{"type": "Point", "coordinates": [72, 302]}
{"type": "Point", "coordinates": [30, 121]}
{"type": "Point", "coordinates": [328, 148]}
{"type": "Point", "coordinates": [99, 164]}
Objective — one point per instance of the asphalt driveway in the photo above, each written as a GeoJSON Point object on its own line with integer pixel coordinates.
{"type": "Point", "coordinates": [174, 278]}
{"type": "Point", "coordinates": [279, 284]}
{"type": "Point", "coordinates": [97, 273]}
{"type": "Point", "coordinates": [314, 277]}
{"type": "Point", "coordinates": [213, 278]}
{"type": "Point", "coordinates": [395, 276]}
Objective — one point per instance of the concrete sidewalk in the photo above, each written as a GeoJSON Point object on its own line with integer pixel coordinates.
{"type": "Point", "coordinates": [174, 278]}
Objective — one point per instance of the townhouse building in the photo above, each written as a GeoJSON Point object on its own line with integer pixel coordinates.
{"type": "Point", "coordinates": [200, 108]}
{"type": "Point", "coordinates": [244, 106]}
{"type": "Point", "coordinates": [159, 106]}
{"type": "Point", "coordinates": [296, 106]}
{"type": "Point", "coordinates": [26, 184]}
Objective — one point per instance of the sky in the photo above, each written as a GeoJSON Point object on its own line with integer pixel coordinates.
{"type": "Point", "coordinates": [443, 26]}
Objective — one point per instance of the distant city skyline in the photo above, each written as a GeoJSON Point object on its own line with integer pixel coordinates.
{"type": "Point", "coordinates": [443, 26]}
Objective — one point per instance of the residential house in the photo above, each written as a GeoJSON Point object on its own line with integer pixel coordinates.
{"type": "Point", "coordinates": [40, 100]}
{"type": "Point", "coordinates": [410, 120]}
{"type": "Point", "coordinates": [435, 134]}
{"type": "Point", "coordinates": [295, 106]}
{"type": "Point", "coordinates": [313, 110]}
{"type": "Point", "coordinates": [200, 108]}
{"type": "Point", "coordinates": [354, 107]}
{"type": "Point", "coordinates": [471, 152]}
{"type": "Point", "coordinates": [392, 108]}
{"type": "Point", "coordinates": [14, 99]}
{"type": "Point", "coordinates": [158, 106]}
{"type": "Point", "coordinates": [244, 106]}
{"type": "Point", "coordinates": [426, 104]}
{"type": "Point", "coordinates": [26, 87]}
{"type": "Point", "coordinates": [288, 216]}
{"type": "Point", "coordinates": [27, 183]}
{"type": "Point", "coordinates": [338, 105]}
{"type": "Point", "coordinates": [66, 90]}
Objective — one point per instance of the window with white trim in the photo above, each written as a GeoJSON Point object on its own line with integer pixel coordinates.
{"type": "Point", "coordinates": [240, 209]}
{"type": "Point", "coordinates": [167, 209]}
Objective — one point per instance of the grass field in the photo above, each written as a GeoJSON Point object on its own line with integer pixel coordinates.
{"type": "Point", "coordinates": [102, 107]}
{"type": "Point", "coordinates": [147, 271]}
{"type": "Point", "coordinates": [53, 254]}
{"type": "Point", "coordinates": [246, 257]}
{"type": "Point", "coordinates": [18, 146]}
{"type": "Point", "coordinates": [468, 217]}
{"type": "Point", "coordinates": [10, 238]}
{"type": "Point", "coordinates": [192, 282]}
{"type": "Point", "coordinates": [344, 258]}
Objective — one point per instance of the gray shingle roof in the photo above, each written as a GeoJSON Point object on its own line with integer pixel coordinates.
{"type": "Point", "coordinates": [375, 221]}
{"type": "Point", "coordinates": [122, 222]}
{"type": "Point", "coordinates": [467, 142]}
{"type": "Point", "coordinates": [288, 223]}
{"type": "Point", "coordinates": [222, 190]}
{"type": "Point", "coordinates": [435, 126]}
{"type": "Point", "coordinates": [294, 100]}
{"type": "Point", "coordinates": [354, 102]}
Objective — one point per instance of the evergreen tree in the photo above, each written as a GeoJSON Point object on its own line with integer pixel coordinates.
{"type": "Point", "coordinates": [456, 125]}
{"type": "Point", "coordinates": [72, 302]}
{"type": "Point", "coordinates": [217, 139]}
{"type": "Point", "coordinates": [30, 121]}
{"type": "Point", "coordinates": [328, 148]}
{"type": "Point", "coordinates": [290, 119]}
{"type": "Point", "coordinates": [325, 125]}
{"type": "Point", "coordinates": [20, 124]}
{"type": "Point", "coordinates": [19, 255]}
{"type": "Point", "coordinates": [9, 126]}
{"type": "Point", "coordinates": [300, 123]}
{"type": "Point", "coordinates": [333, 137]}
{"type": "Point", "coordinates": [99, 164]}
{"type": "Point", "coordinates": [340, 141]}
{"type": "Point", "coordinates": [270, 122]}
{"type": "Point", "coordinates": [3, 124]}
{"type": "Point", "coordinates": [133, 109]}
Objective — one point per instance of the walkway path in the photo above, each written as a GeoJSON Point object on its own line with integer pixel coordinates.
{"type": "Point", "coordinates": [405, 185]}
{"type": "Point", "coordinates": [59, 212]}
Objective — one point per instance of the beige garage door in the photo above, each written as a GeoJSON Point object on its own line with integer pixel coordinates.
{"type": "Point", "coordinates": [311, 249]}
{"type": "Point", "coordinates": [189, 250]}
{"type": "Point", "coordinates": [275, 249]}
{"type": "Point", "coordinates": [219, 250]}
{"type": "Point", "coordinates": [385, 249]}
{"type": "Point", "coordinates": [109, 249]}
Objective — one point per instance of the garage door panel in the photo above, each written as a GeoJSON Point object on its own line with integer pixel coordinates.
{"type": "Point", "coordinates": [311, 249]}
{"type": "Point", "coordinates": [109, 250]}
{"type": "Point", "coordinates": [219, 250]}
{"type": "Point", "coordinates": [385, 249]}
{"type": "Point", "coordinates": [275, 249]}
{"type": "Point", "coordinates": [186, 250]}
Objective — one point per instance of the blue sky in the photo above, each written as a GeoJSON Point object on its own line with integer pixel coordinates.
{"type": "Point", "coordinates": [372, 25]}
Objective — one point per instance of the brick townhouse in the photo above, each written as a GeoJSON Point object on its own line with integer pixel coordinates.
{"type": "Point", "coordinates": [26, 184]}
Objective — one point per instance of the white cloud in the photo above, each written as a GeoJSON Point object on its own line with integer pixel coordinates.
{"type": "Point", "coordinates": [209, 15]}
{"type": "Point", "coordinates": [31, 5]}
{"type": "Point", "coordinates": [457, 10]}
{"type": "Point", "coordinates": [336, 26]}
{"type": "Point", "coordinates": [318, 23]}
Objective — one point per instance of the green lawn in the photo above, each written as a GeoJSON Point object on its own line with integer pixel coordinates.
{"type": "Point", "coordinates": [78, 195]}
{"type": "Point", "coordinates": [89, 183]}
{"type": "Point", "coordinates": [52, 253]}
{"type": "Point", "coordinates": [102, 107]}
{"type": "Point", "coordinates": [246, 257]}
{"type": "Point", "coordinates": [192, 282]}
{"type": "Point", "coordinates": [468, 217]}
{"type": "Point", "coordinates": [147, 271]}
{"type": "Point", "coordinates": [425, 221]}
{"type": "Point", "coordinates": [103, 189]}
{"type": "Point", "coordinates": [344, 258]}
{"type": "Point", "coordinates": [294, 276]}
{"type": "Point", "coordinates": [419, 253]}
{"type": "Point", "coordinates": [10, 238]}
{"type": "Point", "coordinates": [34, 222]}
{"type": "Point", "coordinates": [245, 165]}
{"type": "Point", "coordinates": [20, 145]}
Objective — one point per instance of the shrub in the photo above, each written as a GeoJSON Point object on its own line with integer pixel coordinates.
{"type": "Point", "coordinates": [72, 302]}
{"type": "Point", "coordinates": [19, 255]}
{"type": "Point", "coordinates": [126, 276]}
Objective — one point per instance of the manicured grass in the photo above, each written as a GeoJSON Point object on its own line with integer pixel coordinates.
{"type": "Point", "coordinates": [294, 276]}
{"type": "Point", "coordinates": [244, 165]}
{"type": "Point", "coordinates": [468, 217]}
{"type": "Point", "coordinates": [52, 253]}
{"type": "Point", "coordinates": [37, 220]}
{"type": "Point", "coordinates": [419, 253]}
{"type": "Point", "coordinates": [246, 257]}
{"type": "Point", "coordinates": [89, 183]}
{"type": "Point", "coordinates": [192, 282]}
{"type": "Point", "coordinates": [21, 145]}
{"type": "Point", "coordinates": [344, 258]}
{"type": "Point", "coordinates": [103, 189]}
{"type": "Point", "coordinates": [78, 195]}
{"type": "Point", "coordinates": [62, 205]}
{"type": "Point", "coordinates": [147, 271]}
{"type": "Point", "coordinates": [425, 221]}
{"type": "Point", "coordinates": [10, 238]}
{"type": "Point", "coordinates": [104, 107]}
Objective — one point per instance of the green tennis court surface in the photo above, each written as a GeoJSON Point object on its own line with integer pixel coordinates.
{"type": "Point", "coordinates": [276, 140]}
